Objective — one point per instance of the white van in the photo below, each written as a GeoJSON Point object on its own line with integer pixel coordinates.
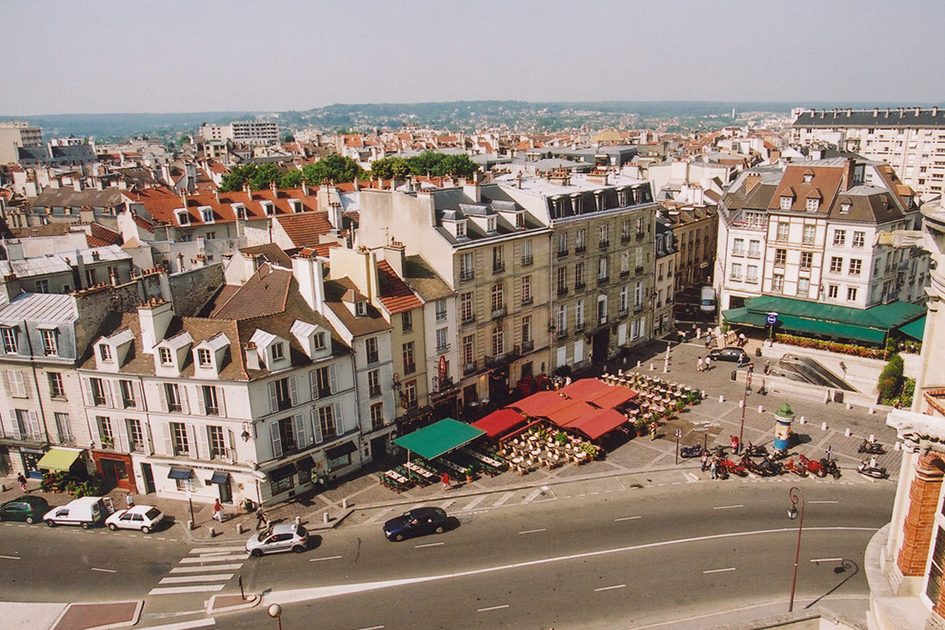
{"type": "Point", "coordinates": [707, 302]}
{"type": "Point", "coordinates": [86, 511]}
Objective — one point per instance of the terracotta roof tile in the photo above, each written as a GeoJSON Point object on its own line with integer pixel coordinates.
{"type": "Point", "coordinates": [161, 203]}
{"type": "Point", "coordinates": [393, 292]}
{"type": "Point", "coordinates": [304, 229]}
{"type": "Point", "coordinates": [265, 293]}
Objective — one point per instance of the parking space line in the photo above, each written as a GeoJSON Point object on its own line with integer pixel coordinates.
{"type": "Point", "coordinates": [325, 558]}
{"type": "Point", "coordinates": [503, 499]}
{"type": "Point", "coordinates": [823, 502]}
{"type": "Point", "coordinates": [104, 570]}
{"type": "Point", "coordinates": [532, 495]}
{"type": "Point", "coordinates": [492, 608]}
{"type": "Point", "coordinates": [428, 545]}
{"type": "Point", "coordinates": [627, 518]}
{"type": "Point", "coordinates": [10, 558]}
{"type": "Point", "coordinates": [609, 588]}
{"type": "Point", "coordinates": [473, 503]}
{"type": "Point", "coordinates": [533, 531]}
{"type": "Point", "coordinates": [728, 507]}
{"type": "Point", "coordinates": [719, 570]}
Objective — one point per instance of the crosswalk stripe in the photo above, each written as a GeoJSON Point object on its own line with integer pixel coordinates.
{"type": "Point", "coordinates": [176, 590]}
{"type": "Point", "coordinates": [186, 625]}
{"type": "Point", "coordinates": [205, 550]}
{"type": "Point", "coordinates": [241, 556]}
{"type": "Point", "coordinates": [184, 579]}
{"type": "Point", "coordinates": [503, 499]}
{"type": "Point", "coordinates": [215, 567]}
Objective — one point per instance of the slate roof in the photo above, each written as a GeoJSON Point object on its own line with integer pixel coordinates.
{"type": "Point", "coordinates": [269, 252]}
{"type": "Point", "coordinates": [71, 198]}
{"type": "Point", "coordinates": [393, 292]}
{"type": "Point", "coordinates": [48, 308]}
{"type": "Point", "coordinates": [868, 204]}
{"type": "Point", "coordinates": [265, 293]}
{"type": "Point", "coordinates": [879, 117]}
{"type": "Point", "coordinates": [424, 280]}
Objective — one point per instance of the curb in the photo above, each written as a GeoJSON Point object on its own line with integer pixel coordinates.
{"type": "Point", "coordinates": [251, 601]}
{"type": "Point", "coordinates": [135, 616]}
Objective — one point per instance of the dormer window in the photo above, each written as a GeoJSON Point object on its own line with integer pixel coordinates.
{"type": "Point", "coordinates": [845, 207]}
{"type": "Point", "coordinates": [206, 214]}
{"type": "Point", "coordinates": [490, 224]}
{"type": "Point", "coordinates": [320, 342]}
{"type": "Point", "coordinates": [520, 220]}
{"type": "Point", "coordinates": [240, 210]}
{"type": "Point", "coordinates": [808, 178]}
{"type": "Point", "coordinates": [360, 308]}
{"type": "Point", "coordinates": [9, 340]}
{"type": "Point", "coordinates": [105, 353]}
{"type": "Point", "coordinates": [269, 208]}
{"type": "Point", "coordinates": [167, 358]}
{"type": "Point", "coordinates": [786, 202]}
{"type": "Point", "coordinates": [50, 341]}
{"type": "Point", "coordinates": [296, 205]}
{"type": "Point", "coordinates": [813, 204]}
{"type": "Point", "coordinates": [183, 217]}
{"type": "Point", "coordinates": [278, 351]}
{"type": "Point", "coordinates": [460, 229]}
{"type": "Point", "coordinates": [204, 357]}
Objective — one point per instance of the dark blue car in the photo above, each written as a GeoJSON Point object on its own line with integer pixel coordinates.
{"type": "Point", "coordinates": [416, 522]}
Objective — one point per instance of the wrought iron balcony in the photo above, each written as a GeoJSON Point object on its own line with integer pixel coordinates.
{"type": "Point", "coordinates": [498, 313]}
{"type": "Point", "coordinates": [500, 360]}
{"type": "Point", "coordinates": [469, 368]}
{"type": "Point", "coordinates": [528, 346]}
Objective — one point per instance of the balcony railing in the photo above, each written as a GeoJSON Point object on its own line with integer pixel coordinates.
{"type": "Point", "coordinates": [562, 332]}
{"type": "Point", "coordinates": [527, 260]}
{"type": "Point", "coordinates": [469, 368]}
{"type": "Point", "coordinates": [498, 267]}
{"type": "Point", "coordinates": [562, 291]}
{"type": "Point", "coordinates": [33, 438]}
{"type": "Point", "coordinates": [641, 236]}
{"type": "Point", "coordinates": [638, 270]}
{"type": "Point", "coordinates": [469, 319]}
{"type": "Point", "coordinates": [580, 249]}
{"type": "Point", "coordinates": [637, 308]}
{"type": "Point", "coordinates": [601, 281]}
{"type": "Point", "coordinates": [466, 275]}
{"type": "Point", "coordinates": [579, 327]}
{"type": "Point", "coordinates": [500, 360]}
{"type": "Point", "coordinates": [528, 346]}
{"type": "Point", "coordinates": [410, 368]}
{"type": "Point", "coordinates": [624, 273]}
{"type": "Point", "coordinates": [622, 312]}
{"type": "Point", "coordinates": [442, 349]}
{"type": "Point", "coordinates": [604, 244]}
{"type": "Point", "coordinates": [528, 301]}
{"type": "Point", "coordinates": [579, 286]}
{"type": "Point", "coordinates": [624, 238]}
{"type": "Point", "coordinates": [498, 313]}
{"type": "Point", "coordinates": [562, 253]}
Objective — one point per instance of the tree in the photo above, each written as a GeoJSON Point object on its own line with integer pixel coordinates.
{"type": "Point", "coordinates": [288, 138]}
{"type": "Point", "coordinates": [336, 168]}
{"type": "Point", "coordinates": [458, 165]}
{"type": "Point", "coordinates": [890, 380]}
{"type": "Point", "coordinates": [441, 164]}
{"type": "Point", "coordinates": [291, 179]}
{"type": "Point", "coordinates": [390, 168]}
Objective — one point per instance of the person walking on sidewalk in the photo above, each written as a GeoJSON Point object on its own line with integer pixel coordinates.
{"type": "Point", "coordinates": [22, 481]}
{"type": "Point", "coordinates": [218, 511]}
{"type": "Point", "coordinates": [261, 519]}
{"type": "Point", "coordinates": [699, 365]}
{"type": "Point", "coordinates": [446, 481]}
{"type": "Point", "coordinates": [713, 470]}
{"type": "Point", "coordinates": [705, 459]}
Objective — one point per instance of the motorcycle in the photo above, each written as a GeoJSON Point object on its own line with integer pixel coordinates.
{"type": "Point", "coordinates": [871, 447]}
{"type": "Point", "coordinates": [756, 451]}
{"type": "Point", "coordinates": [770, 464]}
{"type": "Point", "coordinates": [733, 468]}
{"type": "Point", "coordinates": [756, 468]}
{"type": "Point", "coordinates": [691, 451]}
{"type": "Point", "coordinates": [874, 472]}
{"type": "Point", "coordinates": [798, 470]}
{"type": "Point", "coordinates": [813, 466]}
{"type": "Point", "coordinates": [830, 467]}
{"type": "Point", "coordinates": [780, 453]}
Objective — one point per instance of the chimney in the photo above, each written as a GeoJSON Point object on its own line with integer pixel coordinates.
{"type": "Point", "coordinates": [216, 195]}
{"type": "Point", "coordinates": [77, 184]}
{"type": "Point", "coordinates": [252, 356]}
{"type": "Point", "coordinates": [308, 273]}
{"type": "Point", "coordinates": [305, 191]}
{"type": "Point", "coordinates": [154, 317]}
{"type": "Point", "coordinates": [183, 197]}
{"type": "Point", "coordinates": [847, 182]}
{"type": "Point", "coordinates": [334, 216]}
{"type": "Point", "coordinates": [274, 189]}
{"type": "Point", "coordinates": [472, 190]}
{"type": "Point", "coordinates": [395, 255]}
{"type": "Point", "coordinates": [935, 111]}
{"type": "Point", "coordinates": [751, 180]}
{"type": "Point", "coordinates": [80, 281]}
{"type": "Point", "coordinates": [166, 174]}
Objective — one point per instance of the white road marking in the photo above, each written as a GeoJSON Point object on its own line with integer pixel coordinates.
{"type": "Point", "coordinates": [220, 558]}
{"type": "Point", "coordinates": [692, 477]}
{"type": "Point", "coordinates": [719, 570]}
{"type": "Point", "coordinates": [414, 507]}
{"type": "Point", "coordinates": [104, 570]}
{"type": "Point", "coordinates": [216, 567]}
{"type": "Point", "coordinates": [378, 516]}
{"type": "Point", "coordinates": [186, 625]}
{"type": "Point", "coordinates": [727, 507]}
{"type": "Point", "coordinates": [503, 499]}
{"type": "Point", "coordinates": [493, 608]}
{"type": "Point", "coordinates": [184, 579]}
{"type": "Point", "coordinates": [325, 558]}
{"type": "Point", "coordinates": [372, 628]}
{"type": "Point", "coordinates": [609, 588]}
{"type": "Point", "coordinates": [10, 558]}
{"type": "Point", "coordinates": [428, 545]}
{"type": "Point", "coordinates": [175, 590]}
{"type": "Point", "coordinates": [627, 518]}
{"type": "Point", "coordinates": [534, 494]}
{"type": "Point", "coordinates": [823, 502]}
{"type": "Point", "coordinates": [447, 503]}
{"type": "Point", "coordinates": [533, 531]}
{"type": "Point", "coordinates": [217, 550]}
{"type": "Point", "coordinates": [826, 559]}
{"type": "Point", "coordinates": [473, 503]}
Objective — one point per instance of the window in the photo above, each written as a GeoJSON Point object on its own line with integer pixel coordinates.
{"type": "Point", "coordinates": [179, 442]}
{"type": "Point", "coordinates": [602, 269]}
{"type": "Point", "coordinates": [442, 344]}
{"type": "Point", "coordinates": [625, 299]}
{"type": "Point", "coordinates": [601, 309]}
{"type": "Point", "coordinates": [526, 329]}
{"type": "Point", "coordinates": [526, 290]}
{"type": "Point", "coordinates": [839, 238]}
{"type": "Point", "coordinates": [754, 249]}
{"type": "Point", "coordinates": [105, 352]}
{"type": "Point", "coordinates": [832, 291]}
{"type": "Point", "coordinates": [752, 275]}
{"type": "Point", "coordinates": [836, 264]}
{"type": "Point", "coordinates": [579, 276]}
{"type": "Point", "coordinates": [851, 294]}
{"type": "Point", "coordinates": [736, 271]}
{"type": "Point", "coordinates": [409, 365]}
{"type": "Point", "coordinates": [283, 394]}
{"type": "Point", "coordinates": [777, 282]}
{"type": "Point", "coordinates": [42, 286]}
{"type": "Point", "coordinates": [63, 428]}
{"type": "Point", "coordinates": [526, 253]}
{"type": "Point", "coordinates": [204, 358]}
{"type": "Point", "coordinates": [9, 340]}
{"type": "Point", "coordinates": [783, 230]}
{"type": "Point", "coordinates": [106, 436]}
{"type": "Point", "coordinates": [859, 239]}
{"type": "Point", "coordinates": [803, 287]}
{"type": "Point", "coordinates": [469, 353]}
{"type": "Point", "coordinates": [813, 204]}
{"type": "Point", "coordinates": [579, 315]}
{"type": "Point", "coordinates": [562, 280]}
{"type": "Point", "coordinates": [56, 387]}
{"type": "Point", "coordinates": [738, 247]}
{"type": "Point", "coordinates": [165, 356]}
{"type": "Point", "coordinates": [406, 321]}
{"type": "Point", "coordinates": [50, 346]}
{"type": "Point", "coordinates": [218, 447]}
{"type": "Point", "coordinates": [786, 202]}
{"type": "Point", "coordinates": [625, 263]}
{"type": "Point", "coordinates": [211, 403]}
{"type": "Point", "coordinates": [440, 307]}
{"type": "Point", "coordinates": [855, 266]}
{"type": "Point", "coordinates": [97, 392]}
{"type": "Point", "coordinates": [604, 235]}
{"type": "Point", "coordinates": [807, 260]}
{"type": "Point", "coordinates": [466, 267]}
{"type": "Point", "coordinates": [580, 240]}
{"type": "Point", "coordinates": [466, 307]}
{"type": "Point", "coordinates": [460, 229]}
{"type": "Point", "coordinates": [809, 232]}
{"type": "Point", "coordinates": [374, 382]}
{"type": "Point", "coordinates": [172, 395]}
{"type": "Point", "coordinates": [409, 396]}
{"type": "Point", "coordinates": [278, 351]}
{"type": "Point", "coordinates": [322, 382]}
{"type": "Point", "coordinates": [206, 215]}
{"type": "Point", "coordinates": [289, 439]}
{"type": "Point", "coordinates": [320, 341]}
{"type": "Point", "coordinates": [370, 346]}
{"type": "Point", "coordinates": [498, 299]}
{"type": "Point", "coordinates": [127, 394]}
{"type": "Point", "coordinates": [562, 244]}
{"type": "Point", "coordinates": [498, 341]}
{"type": "Point", "coordinates": [91, 277]}
{"type": "Point", "coordinates": [625, 231]}
{"type": "Point", "coordinates": [845, 207]}
{"type": "Point", "coordinates": [780, 257]}
{"type": "Point", "coordinates": [377, 416]}
{"type": "Point", "coordinates": [498, 259]}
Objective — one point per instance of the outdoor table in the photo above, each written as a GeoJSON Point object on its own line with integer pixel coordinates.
{"type": "Point", "coordinates": [485, 459]}
{"type": "Point", "coordinates": [396, 477]}
{"type": "Point", "coordinates": [420, 470]}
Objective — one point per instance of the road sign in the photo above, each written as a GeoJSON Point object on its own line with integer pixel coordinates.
{"type": "Point", "coordinates": [771, 319]}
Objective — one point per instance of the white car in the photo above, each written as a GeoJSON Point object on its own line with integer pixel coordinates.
{"type": "Point", "coordinates": [285, 537]}
{"type": "Point", "coordinates": [141, 517]}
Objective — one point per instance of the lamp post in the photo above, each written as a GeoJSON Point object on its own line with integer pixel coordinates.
{"type": "Point", "coordinates": [275, 611]}
{"type": "Point", "coordinates": [796, 495]}
{"type": "Point", "coordinates": [678, 435]}
{"type": "Point", "coordinates": [741, 428]}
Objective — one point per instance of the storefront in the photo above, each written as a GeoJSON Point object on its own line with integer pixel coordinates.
{"type": "Point", "coordinates": [116, 468]}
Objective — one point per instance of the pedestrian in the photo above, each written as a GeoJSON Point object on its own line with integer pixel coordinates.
{"type": "Point", "coordinates": [261, 519]}
{"type": "Point", "coordinates": [22, 481]}
{"type": "Point", "coordinates": [767, 368]}
{"type": "Point", "coordinates": [763, 390]}
{"type": "Point", "coordinates": [751, 368]}
{"type": "Point", "coordinates": [653, 427]}
{"type": "Point", "coordinates": [218, 510]}
{"type": "Point", "coordinates": [742, 340]}
{"type": "Point", "coordinates": [705, 459]}
{"type": "Point", "coordinates": [713, 469]}
{"type": "Point", "coordinates": [699, 365]}
{"type": "Point", "coordinates": [446, 481]}
{"type": "Point", "coordinates": [735, 444]}
{"type": "Point", "coordinates": [682, 336]}
{"type": "Point", "coordinates": [708, 363]}
{"type": "Point", "coordinates": [708, 340]}
{"type": "Point", "coordinates": [129, 501]}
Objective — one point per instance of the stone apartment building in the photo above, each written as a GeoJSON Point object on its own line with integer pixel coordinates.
{"type": "Point", "coordinates": [695, 233]}
{"type": "Point", "coordinates": [667, 259]}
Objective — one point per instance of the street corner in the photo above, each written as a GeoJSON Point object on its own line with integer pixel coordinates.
{"type": "Point", "coordinates": [99, 616]}
{"type": "Point", "coordinates": [231, 603]}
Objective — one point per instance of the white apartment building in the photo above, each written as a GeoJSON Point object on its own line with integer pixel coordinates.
{"type": "Point", "coordinates": [242, 132]}
{"type": "Point", "coordinates": [910, 139]}
{"type": "Point", "coordinates": [16, 134]}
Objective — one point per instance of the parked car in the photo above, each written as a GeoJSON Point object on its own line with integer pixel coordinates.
{"type": "Point", "coordinates": [25, 508]}
{"type": "Point", "coordinates": [278, 538]}
{"type": "Point", "coordinates": [729, 354]}
{"type": "Point", "coordinates": [416, 522]}
{"type": "Point", "coordinates": [145, 518]}
{"type": "Point", "coordinates": [85, 511]}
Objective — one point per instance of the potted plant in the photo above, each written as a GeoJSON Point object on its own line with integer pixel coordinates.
{"type": "Point", "coordinates": [470, 474]}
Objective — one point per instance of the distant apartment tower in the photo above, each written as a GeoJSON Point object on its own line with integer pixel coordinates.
{"type": "Point", "coordinates": [243, 132]}
{"type": "Point", "coordinates": [16, 134]}
{"type": "Point", "coordinates": [910, 139]}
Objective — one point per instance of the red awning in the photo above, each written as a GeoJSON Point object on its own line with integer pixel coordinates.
{"type": "Point", "coordinates": [500, 421]}
{"type": "Point", "coordinates": [570, 411]}
{"type": "Point", "coordinates": [601, 423]}
{"type": "Point", "coordinates": [613, 397]}
{"type": "Point", "coordinates": [536, 403]}
{"type": "Point", "coordinates": [584, 389]}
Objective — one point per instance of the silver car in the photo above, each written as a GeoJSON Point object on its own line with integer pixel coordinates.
{"type": "Point", "coordinates": [289, 537]}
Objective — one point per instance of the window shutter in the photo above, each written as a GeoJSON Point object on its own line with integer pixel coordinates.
{"type": "Point", "coordinates": [35, 427]}
{"type": "Point", "coordinates": [332, 380]}
{"type": "Point", "coordinates": [93, 430]}
{"type": "Point", "coordinates": [203, 442]}
{"type": "Point", "coordinates": [276, 440]}
{"type": "Point", "coordinates": [121, 433]}
{"type": "Point", "coordinates": [162, 395]}
{"type": "Point", "coordinates": [110, 393]}
{"type": "Point", "coordinates": [182, 391]}
{"type": "Point", "coordinates": [273, 400]}
{"type": "Point", "coordinates": [191, 441]}
{"type": "Point", "coordinates": [232, 454]}
{"type": "Point", "coordinates": [221, 403]}
{"type": "Point", "coordinates": [17, 387]}
{"type": "Point", "coordinates": [316, 427]}
{"type": "Point", "coordinates": [138, 392]}
{"type": "Point", "coordinates": [201, 403]}
{"type": "Point", "coordinates": [293, 391]}
{"type": "Point", "coordinates": [313, 383]}
{"type": "Point", "coordinates": [300, 438]}
{"type": "Point", "coordinates": [149, 447]}
{"type": "Point", "coordinates": [87, 382]}
{"type": "Point", "coordinates": [339, 421]}
{"type": "Point", "coordinates": [168, 440]}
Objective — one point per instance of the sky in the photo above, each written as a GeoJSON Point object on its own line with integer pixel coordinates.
{"type": "Point", "coordinates": [110, 56]}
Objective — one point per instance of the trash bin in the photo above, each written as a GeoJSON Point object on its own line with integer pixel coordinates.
{"type": "Point", "coordinates": [838, 396]}
{"type": "Point", "coordinates": [757, 352]}
{"type": "Point", "coordinates": [734, 374]}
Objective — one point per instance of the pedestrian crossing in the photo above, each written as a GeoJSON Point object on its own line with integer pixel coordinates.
{"type": "Point", "coordinates": [203, 570]}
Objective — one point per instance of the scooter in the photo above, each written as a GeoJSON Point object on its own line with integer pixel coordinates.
{"type": "Point", "coordinates": [875, 472]}
{"type": "Point", "coordinates": [871, 447]}
{"type": "Point", "coordinates": [756, 468]}
{"type": "Point", "coordinates": [797, 469]}
{"type": "Point", "coordinates": [813, 466]}
{"type": "Point", "coordinates": [830, 467]}
{"type": "Point", "coordinates": [775, 467]}
{"type": "Point", "coordinates": [733, 468]}
{"type": "Point", "coordinates": [691, 451]}
{"type": "Point", "coordinates": [756, 451]}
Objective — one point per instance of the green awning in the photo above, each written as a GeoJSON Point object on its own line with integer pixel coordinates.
{"type": "Point", "coordinates": [744, 317]}
{"type": "Point", "coordinates": [837, 330]}
{"type": "Point", "coordinates": [59, 459]}
{"type": "Point", "coordinates": [882, 316]}
{"type": "Point", "coordinates": [439, 438]}
{"type": "Point", "coordinates": [914, 329]}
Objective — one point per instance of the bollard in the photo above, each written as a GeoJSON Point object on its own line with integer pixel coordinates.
{"type": "Point", "coordinates": [3, 487]}
{"type": "Point", "coordinates": [298, 520]}
{"type": "Point", "coordinates": [639, 363]}
{"type": "Point", "coordinates": [239, 528]}
{"type": "Point", "coordinates": [619, 372]}
{"type": "Point", "coordinates": [344, 504]}
{"type": "Point", "coordinates": [761, 409]}
{"type": "Point", "coordinates": [741, 403]}
{"type": "Point", "coordinates": [872, 410]}
{"type": "Point", "coordinates": [898, 446]}
{"type": "Point", "coordinates": [721, 398]}
{"type": "Point", "coordinates": [849, 406]}
{"type": "Point", "coordinates": [651, 367]}
{"type": "Point", "coordinates": [803, 419]}
{"type": "Point", "coordinates": [872, 438]}
{"type": "Point", "coordinates": [190, 525]}
{"type": "Point", "coordinates": [823, 426]}
{"type": "Point", "coordinates": [698, 333]}
{"type": "Point", "coordinates": [213, 532]}
{"type": "Point", "coordinates": [325, 517]}
{"type": "Point", "coordinates": [848, 433]}
{"type": "Point", "coordinates": [826, 397]}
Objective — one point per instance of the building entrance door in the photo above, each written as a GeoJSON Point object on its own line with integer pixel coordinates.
{"type": "Point", "coordinates": [600, 342]}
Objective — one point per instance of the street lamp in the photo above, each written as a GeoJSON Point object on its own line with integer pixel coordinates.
{"type": "Point", "coordinates": [275, 611]}
{"type": "Point", "coordinates": [796, 495]}
{"type": "Point", "coordinates": [741, 429]}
